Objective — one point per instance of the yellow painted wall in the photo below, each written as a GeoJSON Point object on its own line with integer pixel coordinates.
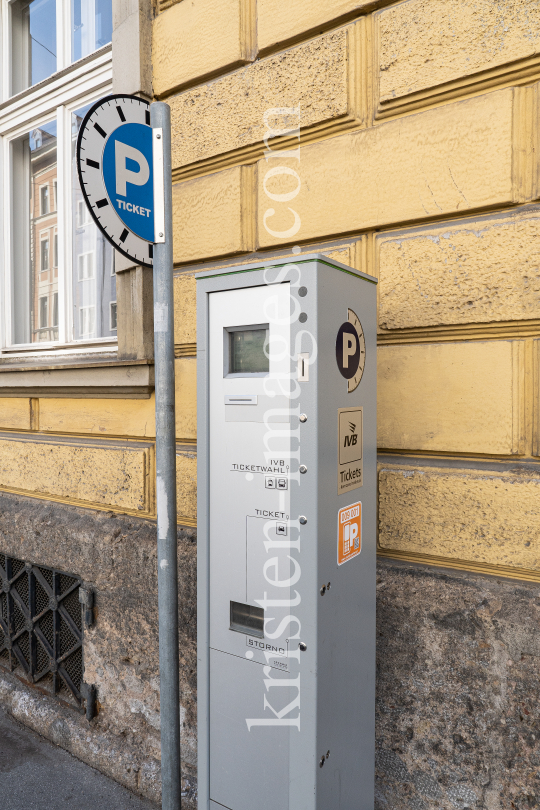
{"type": "Point", "coordinates": [419, 163]}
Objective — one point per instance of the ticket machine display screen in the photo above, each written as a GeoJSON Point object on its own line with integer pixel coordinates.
{"type": "Point", "coordinates": [248, 352]}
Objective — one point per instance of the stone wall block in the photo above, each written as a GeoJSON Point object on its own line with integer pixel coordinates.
{"type": "Point", "coordinates": [451, 159]}
{"type": "Point", "coordinates": [422, 45]}
{"type": "Point", "coordinates": [186, 397]}
{"type": "Point", "coordinates": [213, 215]}
{"type": "Point", "coordinates": [452, 397]}
{"type": "Point", "coordinates": [486, 517]}
{"type": "Point", "coordinates": [15, 413]}
{"type": "Point", "coordinates": [193, 40]}
{"type": "Point", "coordinates": [185, 315]}
{"type": "Point", "coordinates": [228, 114]}
{"type": "Point", "coordinates": [108, 475]}
{"type": "Point", "coordinates": [186, 485]}
{"type": "Point", "coordinates": [104, 417]}
{"type": "Point", "coordinates": [279, 21]}
{"type": "Point", "coordinates": [475, 271]}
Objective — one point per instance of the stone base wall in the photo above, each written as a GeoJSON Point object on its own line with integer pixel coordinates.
{"type": "Point", "coordinates": [457, 691]}
{"type": "Point", "coordinates": [116, 556]}
{"type": "Point", "coordinates": [457, 667]}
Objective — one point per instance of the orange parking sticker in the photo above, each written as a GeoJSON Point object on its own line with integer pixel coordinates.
{"type": "Point", "coordinates": [349, 538]}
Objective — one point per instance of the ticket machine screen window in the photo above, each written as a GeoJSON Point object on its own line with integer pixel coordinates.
{"type": "Point", "coordinates": [248, 351]}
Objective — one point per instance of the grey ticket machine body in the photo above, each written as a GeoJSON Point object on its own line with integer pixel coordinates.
{"type": "Point", "coordinates": [286, 536]}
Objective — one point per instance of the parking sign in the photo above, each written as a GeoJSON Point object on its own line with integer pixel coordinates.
{"type": "Point", "coordinates": [114, 161]}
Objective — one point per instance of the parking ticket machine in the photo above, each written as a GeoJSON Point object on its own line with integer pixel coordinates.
{"type": "Point", "coordinates": [286, 377]}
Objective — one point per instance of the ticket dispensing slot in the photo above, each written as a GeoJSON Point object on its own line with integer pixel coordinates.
{"type": "Point", "coordinates": [247, 619]}
{"type": "Point", "coordinates": [238, 399]}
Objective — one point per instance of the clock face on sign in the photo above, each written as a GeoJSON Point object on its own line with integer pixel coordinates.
{"type": "Point", "coordinates": [114, 161]}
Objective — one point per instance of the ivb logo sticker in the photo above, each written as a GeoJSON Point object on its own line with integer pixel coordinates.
{"type": "Point", "coordinates": [350, 469]}
{"type": "Point", "coordinates": [351, 350]}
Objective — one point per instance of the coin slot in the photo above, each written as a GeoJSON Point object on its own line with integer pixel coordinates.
{"type": "Point", "coordinates": [303, 367]}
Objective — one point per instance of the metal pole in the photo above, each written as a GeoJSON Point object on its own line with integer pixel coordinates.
{"type": "Point", "coordinates": [160, 118]}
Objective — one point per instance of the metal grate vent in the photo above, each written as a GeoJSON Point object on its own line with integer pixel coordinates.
{"type": "Point", "coordinates": [41, 627]}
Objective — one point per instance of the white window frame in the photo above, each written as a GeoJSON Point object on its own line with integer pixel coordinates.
{"type": "Point", "coordinates": [56, 98]}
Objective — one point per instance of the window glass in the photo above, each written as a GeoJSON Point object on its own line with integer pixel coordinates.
{"type": "Point", "coordinates": [93, 278]}
{"type": "Point", "coordinates": [35, 281]}
{"type": "Point", "coordinates": [91, 22]}
{"type": "Point", "coordinates": [33, 42]}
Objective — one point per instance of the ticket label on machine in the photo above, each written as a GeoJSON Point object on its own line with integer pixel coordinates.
{"type": "Point", "coordinates": [349, 537]}
{"type": "Point", "coordinates": [350, 445]}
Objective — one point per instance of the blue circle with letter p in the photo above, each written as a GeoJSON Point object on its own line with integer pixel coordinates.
{"type": "Point", "coordinates": [127, 173]}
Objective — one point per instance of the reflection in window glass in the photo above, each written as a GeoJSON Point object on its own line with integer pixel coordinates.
{"type": "Point", "coordinates": [43, 321]}
{"type": "Point", "coordinates": [93, 279]}
{"type": "Point", "coordinates": [35, 282]}
{"type": "Point", "coordinates": [91, 22]}
{"type": "Point", "coordinates": [33, 42]}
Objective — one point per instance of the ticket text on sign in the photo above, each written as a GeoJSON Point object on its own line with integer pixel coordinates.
{"type": "Point", "coordinates": [349, 539]}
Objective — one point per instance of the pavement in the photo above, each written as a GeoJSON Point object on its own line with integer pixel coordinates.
{"type": "Point", "coordinates": [35, 774]}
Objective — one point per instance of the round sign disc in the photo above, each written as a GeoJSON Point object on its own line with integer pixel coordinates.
{"type": "Point", "coordinates": [114, 162]}
{"type": "Point", "coordinates": [351, 350]}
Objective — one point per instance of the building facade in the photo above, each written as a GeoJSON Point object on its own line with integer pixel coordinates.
{"type": "Point", "coordinates": [401, 138]}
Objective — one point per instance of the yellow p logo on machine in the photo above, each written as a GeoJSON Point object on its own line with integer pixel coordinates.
{"type": "Point", "coordinates": [349, 540]}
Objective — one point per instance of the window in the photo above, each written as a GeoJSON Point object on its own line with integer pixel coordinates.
{"type": "Point", "coordinates": [44, 200]}
{"type": "Point", "coordinates": [35, 55]}
{"type": "Point", "coordinates": [113, 315]}
{"type": "Point", "coordinates": [93, 280]}
{"type": "Point", "coordinates": [87, 319]}
{"type": "Point", "coordinates": [43, 308]}
{"type": "Point", "coordinates": [44, 255]}
{"type": "Point", "coordinates": [56, 267]}
{"type": "Point", "coordinates": [85, 263]}
{"type": "Point", "coordinates": [91, 26]}
{"type": "Point", "coordinates": [83, 215]}
{"type": "Point", "coordinates": [33, 42]}
{"type": "Point", "coordinates": [35, 160]}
